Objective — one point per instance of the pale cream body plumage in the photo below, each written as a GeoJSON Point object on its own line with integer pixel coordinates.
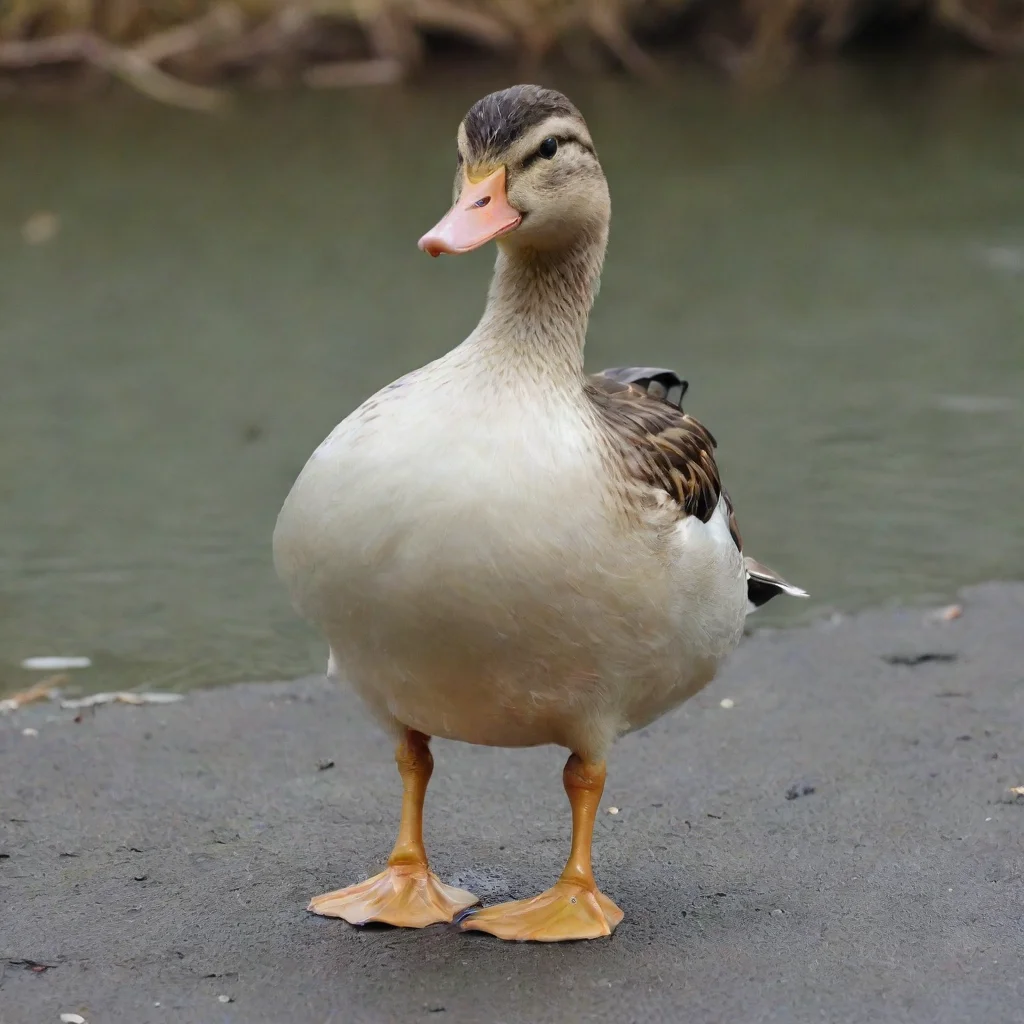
{"type": "Point", "coordinates": [481, 576]}
{"type": "Point", "coordinates": [504, 551]}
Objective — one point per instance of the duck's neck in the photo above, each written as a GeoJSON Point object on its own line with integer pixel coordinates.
{"type": "Point", "coordinates": [538, 305]}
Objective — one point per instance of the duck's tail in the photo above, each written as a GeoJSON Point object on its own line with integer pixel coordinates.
{"type": "Point", "coordinates": [763, 584]}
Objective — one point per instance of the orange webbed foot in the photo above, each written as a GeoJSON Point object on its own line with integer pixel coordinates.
{"type": "Point", "coordinates": [406, 896]}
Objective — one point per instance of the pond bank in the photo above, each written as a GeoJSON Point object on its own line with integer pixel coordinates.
{"type": "Point", "coordinates": [180, 52]}
{"type": "Point", "coordinates": [842, 843]}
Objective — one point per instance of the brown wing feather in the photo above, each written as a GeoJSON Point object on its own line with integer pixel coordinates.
{"type": "Point", "coordinates": [669, 449]}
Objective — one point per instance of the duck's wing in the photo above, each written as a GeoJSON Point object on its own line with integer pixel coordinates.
{"type": "Point", "coordinates": [763, 584]}
{"type": "Point", "coordinates": [658, 382]}
{"type": "Point", "coordinates": [664, 447]}
{"type": "Point", "coordinates": [674, 452]}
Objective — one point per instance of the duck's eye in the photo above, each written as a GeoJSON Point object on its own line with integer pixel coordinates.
{"type": "Point", "coordinates": [548, 148]}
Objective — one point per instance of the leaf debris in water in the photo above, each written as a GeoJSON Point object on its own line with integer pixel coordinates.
{"type": "Point", "coordinates": [45, 689]}
{"type": "Point", "coordinates": [55, 663]}
{"type": "Point", "coordinates": [121, 698]}
{"type": "Point", "coordinates": [40, 227]}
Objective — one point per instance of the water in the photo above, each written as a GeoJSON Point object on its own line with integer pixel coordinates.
{"type": "Point", "coordinates": [838, 268]}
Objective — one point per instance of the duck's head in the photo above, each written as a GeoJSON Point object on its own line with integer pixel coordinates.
{"type": "Point", "coordinates": [527, 173]}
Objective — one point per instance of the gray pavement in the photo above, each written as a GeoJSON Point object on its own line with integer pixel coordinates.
{"type": "Point", "coordinates": [841, 845]}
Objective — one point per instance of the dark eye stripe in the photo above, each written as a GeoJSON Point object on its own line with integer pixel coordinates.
{"type": "Point", "coordinates": [563, 140]}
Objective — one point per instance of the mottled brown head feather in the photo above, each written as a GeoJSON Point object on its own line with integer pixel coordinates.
{"type": "Point", "coordinates": [498, 120]}
{"type": "Point", "coordinates": [667, 449]}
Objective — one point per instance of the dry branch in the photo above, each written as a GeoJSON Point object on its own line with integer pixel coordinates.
{"type": "Point", "coordinates": [976, 30]}
{"type": "Point", "coordinates": [336, 43]}
{"type": "Point", "coordinates": [138, 65]}
{"type": "Point", "coordinates": [475, 25]}
{"type": "Point", "coordinates": [222, 22]}
{"type": "Point", "coordinates": [274, 36]}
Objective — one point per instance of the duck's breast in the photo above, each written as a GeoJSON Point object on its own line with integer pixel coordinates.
{"type": "Point", "coordinates": [477, 579]}
{"type": "Point", "coordinates": [423, 495]}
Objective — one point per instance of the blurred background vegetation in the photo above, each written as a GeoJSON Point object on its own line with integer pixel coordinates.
{"type": "Point", "coordinates": [184, 51]}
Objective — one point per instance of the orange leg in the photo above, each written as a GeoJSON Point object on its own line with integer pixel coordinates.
{"type": "Point", "coordinates": [407, 894]}
{"type": "Point", "coordinates": [573, 908]}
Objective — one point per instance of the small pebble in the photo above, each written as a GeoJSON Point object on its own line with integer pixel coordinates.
{"type": "Point", "coordinates": [613, 810]}
{"type": "Point", "coordinates": [728, 702]}
{"type": "Point", "coordinates": [224, 999]}
{"type": "Point", "coordinates": [72, 1018]}
{"type": "Point", "coordinates": [30, 732]}
{"type": "Point", "coordinates": [947, 614]}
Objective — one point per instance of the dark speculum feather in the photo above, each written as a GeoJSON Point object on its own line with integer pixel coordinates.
{"type": "Point", "coordinates": [498, 120]}
{"type": "Point", "coordinates": [760, 592]}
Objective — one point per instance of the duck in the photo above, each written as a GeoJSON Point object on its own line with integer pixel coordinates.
{"type": "Point", "coordinates": [504, 550]}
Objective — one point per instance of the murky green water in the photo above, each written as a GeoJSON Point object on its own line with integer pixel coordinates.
{"type": "Point", "coordinates": [837, 268]}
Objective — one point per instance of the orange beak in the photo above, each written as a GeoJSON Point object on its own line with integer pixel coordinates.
{"type": "Point", "coordinates": [481, 214]}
